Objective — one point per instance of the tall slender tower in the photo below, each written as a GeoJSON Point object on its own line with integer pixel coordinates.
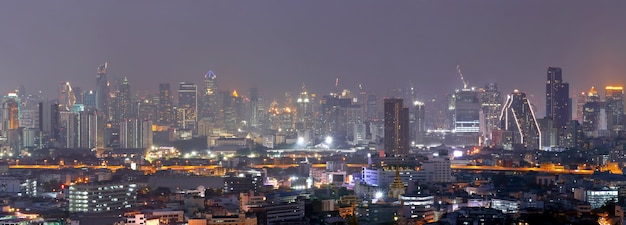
{"type": "Point", "coordinates": [165, 105]}
{"type": "Point", "coordinates": [614, 97]}
{"type": "Point", "coordinates": [396, 127]}
{"type": "Point", "coordinates": [558, 107]}
{"type": "Point", "coordinates": [208, 96]}
{"type": "Point", "coordinates": [102, 90]}
{"type": "Point", "coordinates": [187, 105]}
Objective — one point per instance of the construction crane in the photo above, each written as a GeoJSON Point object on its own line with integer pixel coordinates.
{"type": "Point", "coordinates": [465, 83]}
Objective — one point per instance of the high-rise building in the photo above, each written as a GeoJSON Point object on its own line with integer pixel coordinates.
{"type": "Point", "coordinates": [304, 110]}
{"type": "Point", "coordinates": [208, 103]}
{"type": "Point", "coordinates": [396, 127]}
{"type": "Point", "coordinates": [614, 98]}
{"type": "Point", "coordinates": [595, 119]}
{"type": "Point", "coordinates": [165, 105]}
{"type": "Point", "coordinates": [102, 90]}
{"type": "Point", "coordinates": [187, 105]}
{"type": "Point", "coordinates": [418, 128]}
{"type": "Point", "coordinates": [135, 133]}
{"type": "Point", "coordinates": [519, 118]}
{"type": "Point", "coordinates": [558, 107]}
{"type": "Point", "coordinates": [466, 105]}
{"type": "Point", "coordinates": [122, 103]}
{"type": "Point", "coordinates": [491, 104]}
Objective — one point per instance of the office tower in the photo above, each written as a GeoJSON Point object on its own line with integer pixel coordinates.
{"type": "Point", "coordinates": [418, 128]}
{"type": "Point", "coordinates": [303, 110]}
{"type": "Point", "coordinates": [102, 90]}
{"type": "Point", "coordinates": [253, 110]}
{"type": "Point", "coordinates": [491, 104]}
{"type": "Point", "coordinates": [614, 98]}
{"type": "Point", "coordinates": [465, 106]}
{"type": "Point", "coordinates": [557, 98]}
{"type": "Point", "coordinates": [354, 116]}
{"type": "Point", "coordinates": [67, 98]}
{"type": "Point", "coordinates": [371, 107]}
{"type": "Point", "coordinates": [396, 127]}
{"type": "Point", "coordinates": [519, 118]}
{"type": "Point", "coordinates": [135, 133]}
{"type": "Point", "coordinates": [88, 129]}
{"type": "Point", "coordinates": [79, 95]}
{"type": "Point", "coordinates": [333, 115]}
{"type": "Point", "coordinates": [574, 135]}
{"type": "Point", "coordinates": [208, 106]}
{"type": "Point", "coordinates": [580, 102]}
{"type": "Point", "coordinates": [595, 119]}
{"type": "Point", "coordinates": [122, 103]}
{"type": "Point", "coordinates": [89, 99]}
{"type": "Point", "coordinates": [147, 110]}
{"type": "Point", "coordinates": [187, 105]}
{"type": "Point", "coordinates": [165, 105]}
{"type": "Point", "coordinates": [10, 113]}
{"type": "Point", "coordinates": [233, 107]}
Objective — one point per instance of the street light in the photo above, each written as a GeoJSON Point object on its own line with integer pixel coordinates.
{"type": "Point", "coordinates": [328, 140]}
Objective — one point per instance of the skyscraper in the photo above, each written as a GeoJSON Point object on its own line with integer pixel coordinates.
{"type": "Point", "coordinates": [491, 104]}
{"type": "Point", "coordinates": [165, 105]}
{"type": "Point", "coordinates": [122, 106]}
{"type": "Point", "coordinates": [396, 127]}
{"type": "Point", "coordinates": [557, 98]}
{"type": "Point", "coordinates": [187, 105]}
{"type": "Point", "coordinates": [419, 124]}
{"type": "Point", "coordinates": [102, 90]}
{"type": "Point", "coordinates": [518, 117]}
{"type": "Point", "coordinates": [466, 111]}
{"type": "Point", "coordinates": [208, 106]}
{"type": "Point", "coordinates": [614, 97]}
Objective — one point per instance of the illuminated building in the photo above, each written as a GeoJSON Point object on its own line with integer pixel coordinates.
{"type": "Point", "coordinates": [165, 105]}
{"type": "Point", "coordinates": [596, 197]}
{"type": "Point", "coordinates": [233, 111]}
{"type": "Point", "coordinates": [121, 107]}
{"type": "Point", "coordinates": [102, 90]}
{"type": "Point", "coordinates": [518, 117]}
{"type": "Point", "coordinates": [396, 128]}
{"type": "Point", "coordinates": [333, 115]}
{"type": "Point", "coordinates": [465, 107]}
{"type": "Point", "coordinates": [187, 105]}
{"type": "Point", "coordinates": [101, 197]}
{"type": "Point", "coordinates": [67, 97]}
{"type": "Point", "coordinates": [491, 104]}
{"type": "Point", "coordinates": [304, 109]}
{"type": "Point", "coordinates": [89, 99]}
{"type": "Point", "coordinates": [614, 98]}
{"type": "Point", "coordinates": [208, 106]}
{"type": "Point", "coordinates": [418, 126]}
{"type": "Point", "coordinates": [10, 113]}
{"type": "Point", "coordinates": [558, 107]}
{"type": "Point", "coordinates": [595, 119]}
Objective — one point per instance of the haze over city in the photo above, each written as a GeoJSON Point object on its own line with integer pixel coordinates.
{"type": "Point", "coordinates": [278, 45]}
{"type": "Point", "coordinates": [312, 112]}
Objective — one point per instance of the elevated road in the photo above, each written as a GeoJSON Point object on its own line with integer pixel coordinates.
{"type": "Point", "coordinates": [284, 166]}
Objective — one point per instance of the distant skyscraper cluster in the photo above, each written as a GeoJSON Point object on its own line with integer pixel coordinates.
{"type": "Point", "coordinates": [111, 115]}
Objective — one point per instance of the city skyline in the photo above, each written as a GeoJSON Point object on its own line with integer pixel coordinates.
{"type": "Point", "coordinates": [278, 46]}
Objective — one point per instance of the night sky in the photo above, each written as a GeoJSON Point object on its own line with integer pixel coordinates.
{"type": "Point", "coordinates": [277, 45]}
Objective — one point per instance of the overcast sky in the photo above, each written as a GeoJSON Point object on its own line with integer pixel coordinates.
{"type": "Point", "coordinates": [277, 45]}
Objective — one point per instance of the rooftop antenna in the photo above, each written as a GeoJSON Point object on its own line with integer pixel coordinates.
{"type": "Point", "coordinates": [465, 83]}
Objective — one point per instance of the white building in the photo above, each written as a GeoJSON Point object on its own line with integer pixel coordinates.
{"type": "Point", "coordinates": [101, 197]}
